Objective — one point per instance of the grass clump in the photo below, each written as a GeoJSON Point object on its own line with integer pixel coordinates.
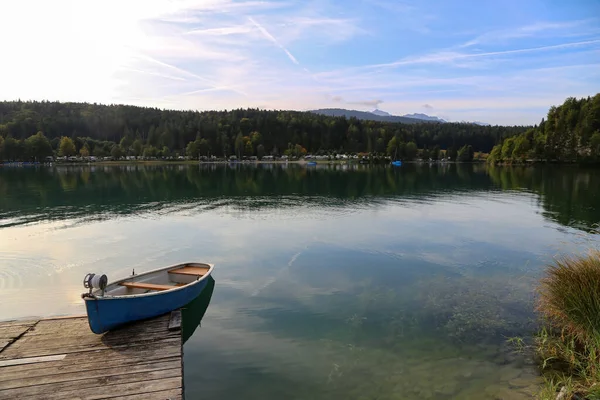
{"type": "Point", "coordinates": [568, 345]}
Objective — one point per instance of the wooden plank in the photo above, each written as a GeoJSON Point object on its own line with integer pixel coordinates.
{"type": "Point", "coordinates": [61, 317]}
{"type": "Point", "coordinates": [19, 322]}
{"type": "Point", "coordinates": [88, 374]}
{"type": "Point", "coordinates": [96, 387]}
{"type": "Point", "coordinates": [60, 327]}
{"type": "Point", "coordinates": [9, 333]}
{"type": "Point", "coordinates": [12, 331]}
{"type": "Point", "coordinates": [172, 394]}
{"type": "Point", "coordinates": [87, 337]}
{"type": "Point", "coordinates": [41, 344]}
{"type": "Point", "coordinates": [61, 358]}
{"type": "Point", "coordinates": [76, 364]}
{"type": "Point", "coordinates": [145, 285]}
{"type": "Point", "coordinates": [150, 388]}
{"type": "Point", "coordinates": [4, 343]}
{"type": "Point", "coordinates": [31, 352]}
{"type": "Point", "coordinates": [81, 327]}
{"type": "Point", "coordinates": [31, 360]}
{"type": "Point", "coordinates": [175, 321]}
{"type": "Point", "coordinates": [198, 271]}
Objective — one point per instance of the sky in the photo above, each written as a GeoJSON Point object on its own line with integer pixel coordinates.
{"type": "Point", "coordinates": [500, 62]}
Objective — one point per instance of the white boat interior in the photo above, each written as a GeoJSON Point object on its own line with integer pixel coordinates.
{"type": "Point", "coordinates": [158, 280]}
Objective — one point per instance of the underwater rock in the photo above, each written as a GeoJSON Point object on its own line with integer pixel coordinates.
{"type": "Point", "coordinates": [509, 372]}
{"type": "Point", "coordinates": [531, 390]}
{"type": "Point", "coordinates": [425, 393]}
{"type": "Point", "coordinates": [523, 381]}
{"type": "Point", "coordinates": [446, 388]}
{"type": "Point", "coordinates": [501, 392]}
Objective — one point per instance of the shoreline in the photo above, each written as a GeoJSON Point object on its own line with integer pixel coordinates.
{"type": "Point", "coordinates": [195, 162]}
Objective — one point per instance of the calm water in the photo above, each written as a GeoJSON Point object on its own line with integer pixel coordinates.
{"type": "Point", "coordinates": [341, 282]}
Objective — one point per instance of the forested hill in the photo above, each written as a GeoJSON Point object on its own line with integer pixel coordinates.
{"type": "Point", "coordinates": [363, 115]}
{"type": "Point", "coordinates": [570, 133]}
{"type": "Point", "coordinates": [223, 133]}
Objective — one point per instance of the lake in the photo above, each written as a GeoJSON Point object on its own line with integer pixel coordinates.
{"type": "Point", "coordinates": [331, 282]}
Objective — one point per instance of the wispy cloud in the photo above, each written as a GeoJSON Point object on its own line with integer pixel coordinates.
{"type": "Point", "coordinates": [561, 29]}
{"type": "Point", "coordinates": [270, 37]}
{"type": "Point", "coordinates": [228, 30]}
{"type": "Point", "coordinates": [448, 56]}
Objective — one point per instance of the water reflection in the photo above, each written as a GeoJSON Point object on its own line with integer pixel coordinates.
{"type": "Point", "coordinates": [193, 312]}
{"type": "Point", "coordinates": [567, 195]}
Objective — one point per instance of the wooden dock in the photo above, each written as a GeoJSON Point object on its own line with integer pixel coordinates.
{"type": "Point", "coordinates": [62, 359]}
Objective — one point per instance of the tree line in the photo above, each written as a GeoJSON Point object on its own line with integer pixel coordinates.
{"type": "Point", "coordinates": [570, 133]}
{"type": "Point", "coordinates": [34, 130]}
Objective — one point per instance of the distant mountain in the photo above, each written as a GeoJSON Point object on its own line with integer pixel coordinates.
{"type": "Point", "coordinates": [379, 115]}
{"type": "Point", "coordinates": [424, 117]}
{"type": "Point", "coordinates": [340, 112]}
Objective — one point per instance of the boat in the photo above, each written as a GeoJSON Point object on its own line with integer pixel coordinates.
{"type": "Point", "coordinates": [397, 163]}
{"type": "Point", "coordinates": [142, 296]}
{"type": "Point", "coordinates": [311, 163]}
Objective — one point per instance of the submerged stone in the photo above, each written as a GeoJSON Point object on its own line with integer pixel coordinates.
{"type": "Point", "coordinates": [509, 372]}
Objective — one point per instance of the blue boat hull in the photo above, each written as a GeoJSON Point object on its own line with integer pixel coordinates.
{"type": "Point", "coordinates": [105, 314]}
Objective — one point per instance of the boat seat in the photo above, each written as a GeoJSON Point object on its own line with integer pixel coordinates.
{"type": "Point", "coordinates": [144, 285]}
{"type": "Point", "coordinates": [198, 271]}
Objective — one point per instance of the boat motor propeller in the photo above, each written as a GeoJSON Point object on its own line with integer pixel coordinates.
{"type": "Point", "coordinates": [94, 281]}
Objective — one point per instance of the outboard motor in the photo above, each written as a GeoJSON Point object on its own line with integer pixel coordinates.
{"type": "Point", "coordinates": [94, 281]}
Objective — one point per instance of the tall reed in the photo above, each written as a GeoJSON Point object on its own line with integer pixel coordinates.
{"type": "Point", "coordinates": [569, 344]}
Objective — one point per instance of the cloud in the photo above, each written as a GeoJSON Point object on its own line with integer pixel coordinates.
{"type": "Point", "coordinates": [448, 56]}
{"type": "Point", "coordinates": [230, 30]}
{"type": "Point", "coordinates": [427, 106]}
{"type": "Point", "coordinates": [322, 30]}
{"type": "Point", "coordinates": [372, 103]}
{"type": "Point", "coordinates": [272, 39]}
{"type": "Point", "coordinates": [538, 29]}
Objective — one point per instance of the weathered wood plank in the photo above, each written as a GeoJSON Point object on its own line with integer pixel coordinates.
{"type": "Point", "coordinates": [139, 361]}
{"type": "Point", "coordinates": [87, 339]}
{"type": "Point", "coordinates": [19, 322]}
{"type": "Point", "coordinates": [173, 394]}
{"type": "Point", "coordinates": [175, 321]}
{"type": "Point", "coordinates": [23, 348]}
{"type": "Point", "coordinates": [31, 360]}
{"type": "Point", "coordinates": [87, 374]}
{"type": "Point", "coordinates": [150, 388]}
{"type": "Point", "coordinates": [10, 332]}
{"type": "Point", "coordinates": [98, 388]}
{"type": "Point", "coordinates": [81, 326]}
{"type": "Point", "coordinates": [4, 343]}
{"type": "Point", "coordinates": [59, 317]}
{"type": "Point", "coordinates": [92, 358]}
{"type": "Point", "coordinates": [76, 361]}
